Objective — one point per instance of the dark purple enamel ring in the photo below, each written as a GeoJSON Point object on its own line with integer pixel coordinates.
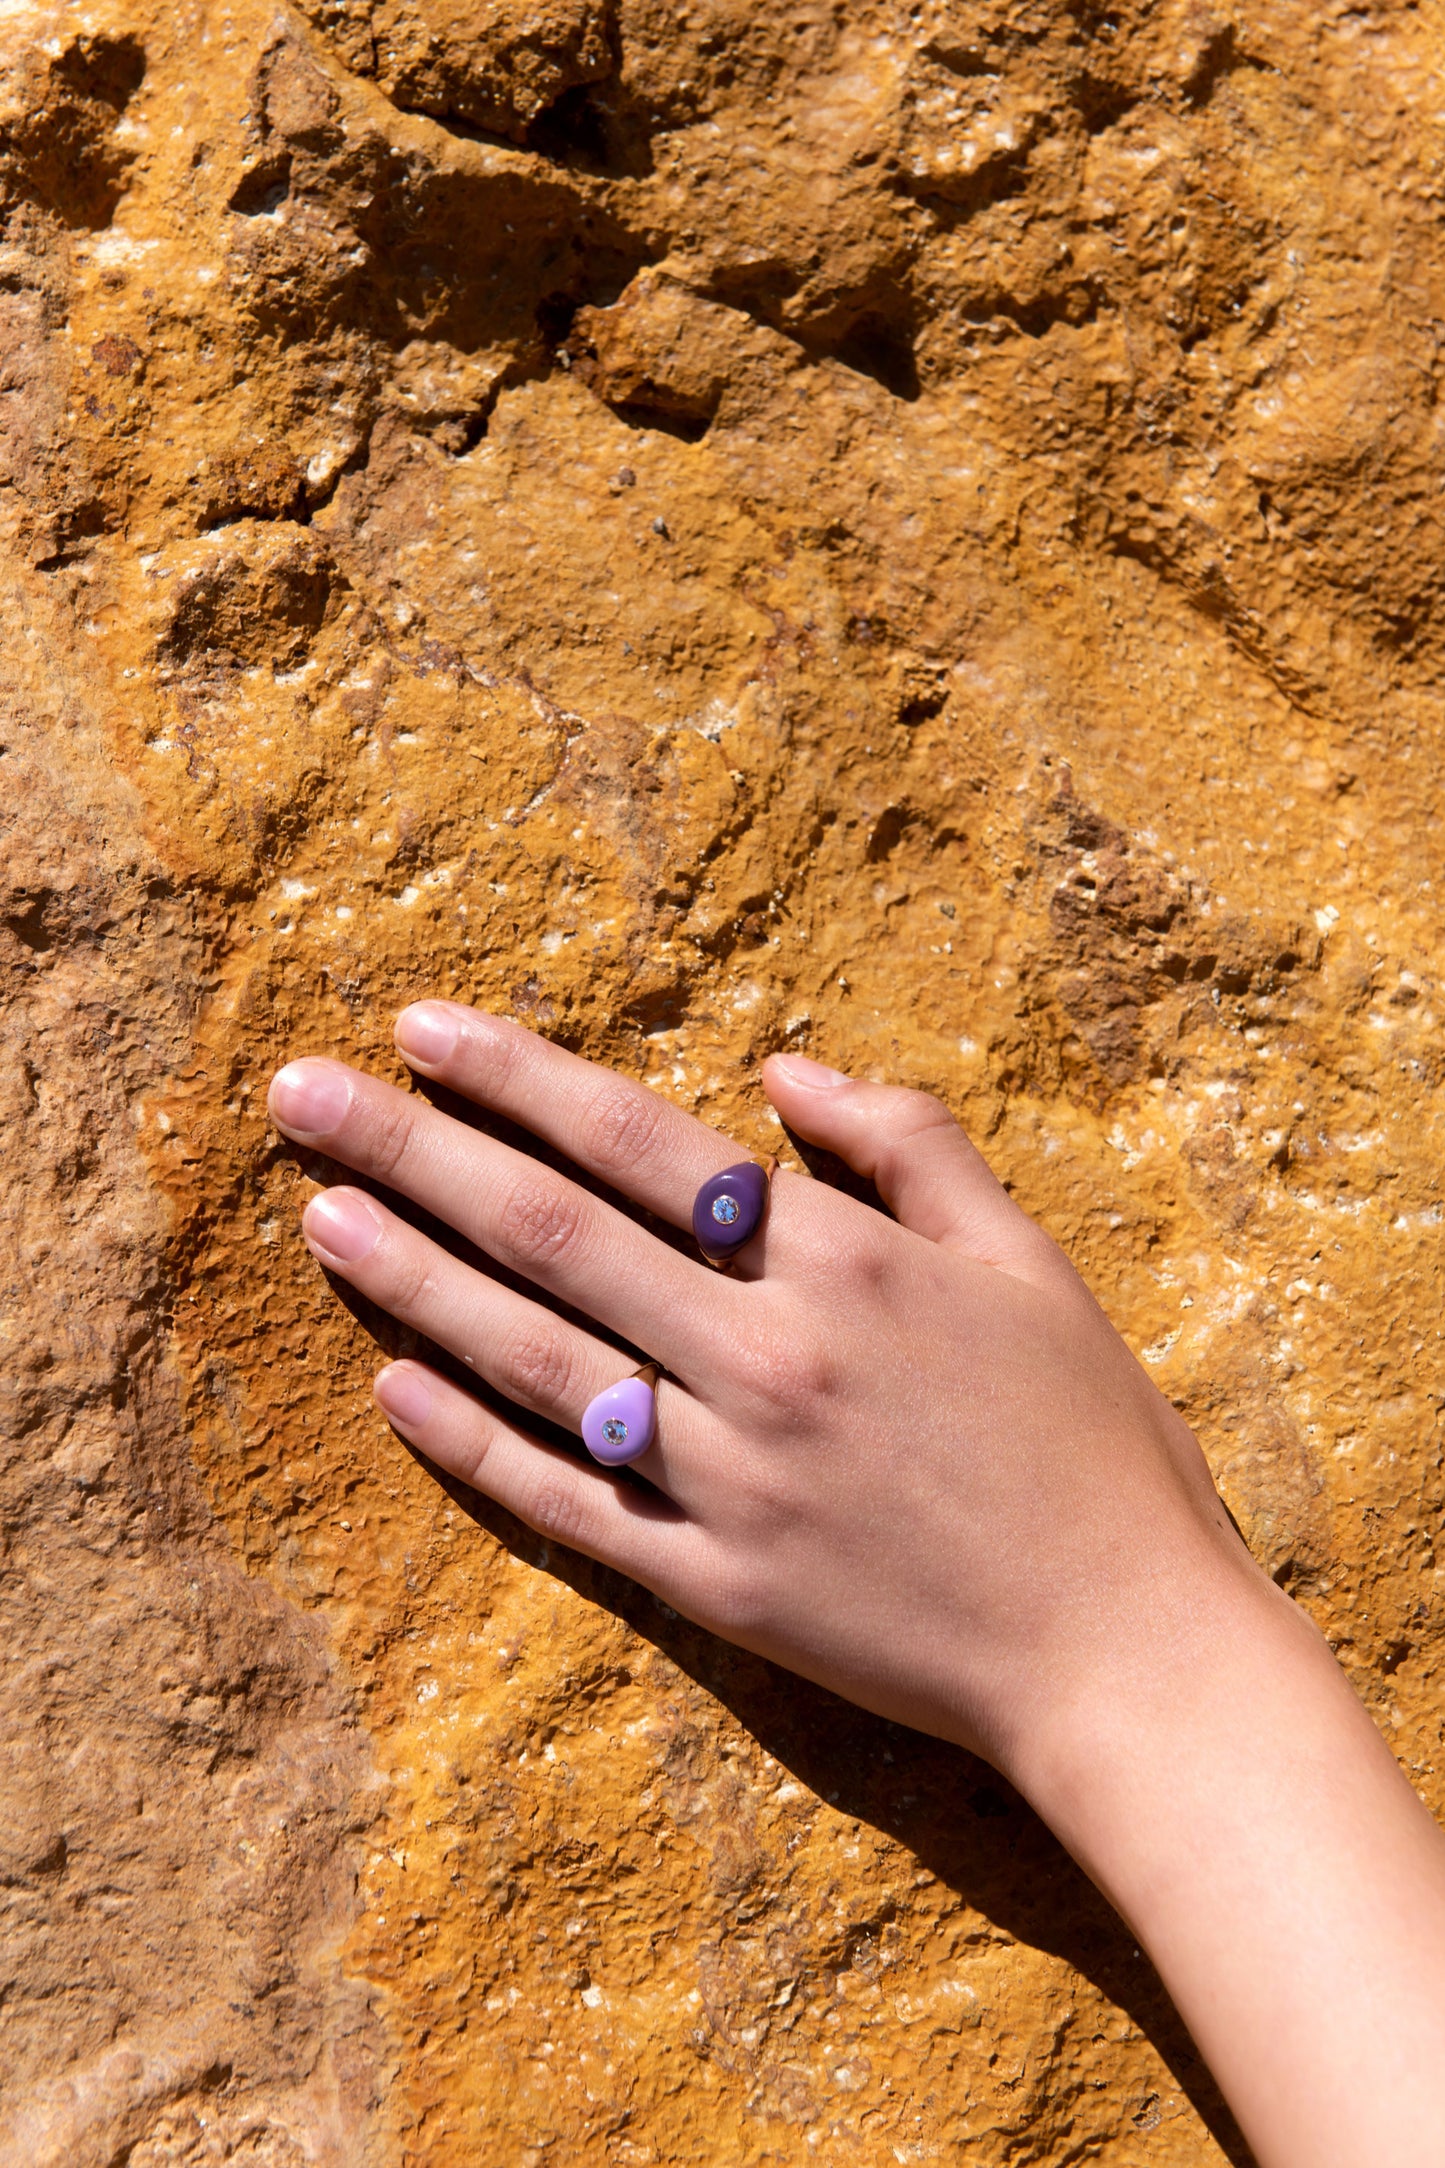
{"type": "Point", "coordinates": [728, 1210]}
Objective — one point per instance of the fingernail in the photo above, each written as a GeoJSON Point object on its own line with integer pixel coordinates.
{"type": "Point", "coordinates": [815, 1075]}
{"type": "Point", "coordinates": [309, 1098]}
{"type": "Point", "coordinates": [427, 1032]}
{"type": "Point", "coordinates": [341, 1222]}
{"type": "Point", "coordinates": [402, 1394]}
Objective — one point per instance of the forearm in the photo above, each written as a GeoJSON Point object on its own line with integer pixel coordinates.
{"type": "Point", "coordinates": [1233, 1799]}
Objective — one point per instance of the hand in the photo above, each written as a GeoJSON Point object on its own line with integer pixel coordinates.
{"type": "Point", "coordinates": [912, 1461]}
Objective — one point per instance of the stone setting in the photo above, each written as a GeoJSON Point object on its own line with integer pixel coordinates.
{"type": "Point", "coordinates": [620, 1424]}
{"type": "Point", "coordinates": [728, 1210]}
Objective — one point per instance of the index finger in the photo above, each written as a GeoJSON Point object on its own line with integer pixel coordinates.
{"type": "Point", "coordinates": [631, 1137]}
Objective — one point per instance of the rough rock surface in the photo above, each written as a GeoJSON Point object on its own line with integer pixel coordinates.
{"type": "Point", "coordinates": [907, 531]}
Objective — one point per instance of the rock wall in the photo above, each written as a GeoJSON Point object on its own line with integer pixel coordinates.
{"type": "Point", "coordinates": [911, 531]}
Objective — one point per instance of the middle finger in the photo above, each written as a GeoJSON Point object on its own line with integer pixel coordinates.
{"type": "Point", "coordinates": [523, 1214]}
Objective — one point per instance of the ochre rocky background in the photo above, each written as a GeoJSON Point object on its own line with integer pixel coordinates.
{"type": "Point", "coordinates": [910, 532]}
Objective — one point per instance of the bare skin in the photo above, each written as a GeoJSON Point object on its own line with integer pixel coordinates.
{"type": "Point", "coordinates": [912, 1460]}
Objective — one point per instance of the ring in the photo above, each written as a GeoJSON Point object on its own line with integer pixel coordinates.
{"type": "Point", "coordinates": [728, 1210]}
{"type": "Point", "coordinates": [620, 1422]}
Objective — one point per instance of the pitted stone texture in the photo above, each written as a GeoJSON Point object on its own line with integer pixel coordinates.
{"type": "Point", "coordinates": [910, 535]}
{"type": "Point", "coordinates": [182, 1778]}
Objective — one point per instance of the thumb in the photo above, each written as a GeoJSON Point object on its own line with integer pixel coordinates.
{"type": "Point", "coordinates": [932, 1179]}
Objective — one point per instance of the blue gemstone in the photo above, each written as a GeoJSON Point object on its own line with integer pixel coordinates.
{"type": "Point", "coordinates": [725, 1210]}
{"type": "Point", "coordinates": [614, 1430]}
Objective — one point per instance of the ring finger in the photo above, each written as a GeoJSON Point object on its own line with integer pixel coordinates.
{"type": "Point", "coordinates": [541, 1362]}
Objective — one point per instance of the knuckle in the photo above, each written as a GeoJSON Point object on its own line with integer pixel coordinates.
{"type": "Point", "coordinates": [556, 1510]}
{"type": "Point", "coordinates": [540, 1222]}
{"type": "Point", "coordinates": [472, 1458]}
{"type": "Point", "coordinates": [389, 1135]}
{"type": "Point", "coordinates": [918, 1115]}
{"type": "Point", "coordinates": [620, 1127]}
{"type": "Point", "coordinates": [409, 1282]}
{"type": "Point", "coordinates": [929, 1110]}
{"type": "Point", "coordinates": [870, 1260]}
{"type": "Point", "coordinates": [793, 1375]}
{"type": "Point", "coordinates": [502, 1048]}
{"type": "Point", "coordinates": [537, 1368]}
{"type": "Point", "coordinates": [922, 1134]}
{"type": "Point", "coordinates": [762, 1497]}
{"type": "Point", "coordinates": [914, 1109]}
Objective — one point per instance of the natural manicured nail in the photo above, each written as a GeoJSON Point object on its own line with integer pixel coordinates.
{"type": "Point", "coordinates": [427, 1032]}
{"type": "Point", "coordinates": [309, 1098]}
{"type": "Point", "coordinates": [402, 1394]}
{"type": "Point", "coordinates": [813, 1075]}
{"type": "Point", "coordinates": [343, 1224]}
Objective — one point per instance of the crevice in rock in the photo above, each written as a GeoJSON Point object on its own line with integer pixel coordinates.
{"type": "Point", "coordinates": [998, 180]}
{"type": "Point", "coordinates": [61, 149]}
{"type": "Point", "coordinates": [1103, 103]}
{"type": "Point", "coordinates": [263, 188]}
{"type": "Point", "coordinates": [74, 528]}
{"type": "Point", "coordinates": [1243, 632]}
{"type": "Point", "coordinates": [966, 62]}
{"type": "Point", "coordinates": [876, 340]}
{"type": "Point", "coordinates": [637, 414]}
{"type": "Point", "coordinates": [1221, 56]}
{"type": "Point", "coordinates": [469, 431]}
{"type": "Point", "coordinates": [277, 492]}
{"type": "Point", "coordinates": [880, 346]}
{"type": "Point", "coordinates": [1075, 305]}
{"type": "Point", "coordinates": [30, 924]}
{"type": "Point", "coordinates": [588, 132]}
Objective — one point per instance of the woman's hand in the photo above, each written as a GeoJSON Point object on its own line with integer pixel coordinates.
{"type": "Point", "coordinates": [911, 1459]}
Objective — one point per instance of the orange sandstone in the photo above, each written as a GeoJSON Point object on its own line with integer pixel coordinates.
{"type": "Point", "coordinates": [909, 532]}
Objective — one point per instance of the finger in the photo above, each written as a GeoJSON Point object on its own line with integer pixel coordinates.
{"type": "Point", "coordinates": [548, 1366]}
{"type": "Point", "coordinates": [631, 1137]}
{"type": "Point", "coordinates": [620, 1523]}
{"type": "Point", "coordinates": [931, 1177]}
{"type": "Point", "coordinates": [525, 1215]}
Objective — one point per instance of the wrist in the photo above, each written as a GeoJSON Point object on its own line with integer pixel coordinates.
{"type": "Point", "coordinates": [1233, 1799]}
{"type": "Point", "coordinates": [1211, 1653]}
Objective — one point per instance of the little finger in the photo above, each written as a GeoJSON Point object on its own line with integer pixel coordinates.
{"type": "Point", "coordinates": [622, 1524]}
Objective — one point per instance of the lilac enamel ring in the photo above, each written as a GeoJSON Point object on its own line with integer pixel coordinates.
{"type": "Point", "coordinates": [620, 1423]}
{"type": "Point", "coordinates": [728, 1210]}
